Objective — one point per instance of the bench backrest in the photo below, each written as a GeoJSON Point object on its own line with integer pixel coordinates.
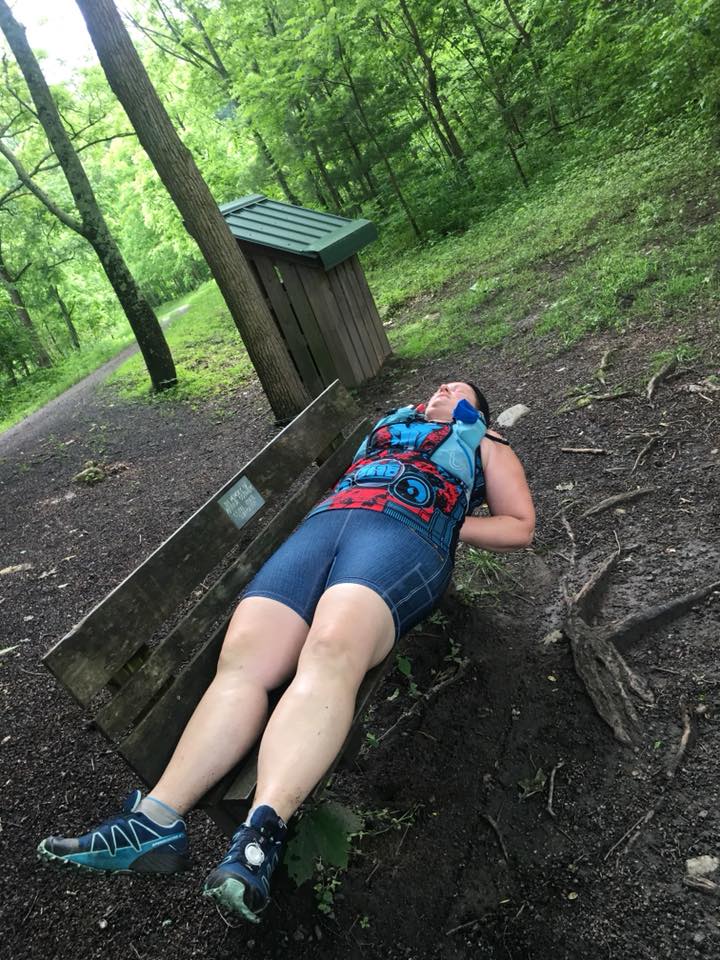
{"type": "Point", "coordinates": [154, 641]}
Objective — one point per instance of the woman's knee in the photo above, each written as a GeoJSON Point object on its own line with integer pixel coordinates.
{"type": "Point", "coordinates": [263, 642]}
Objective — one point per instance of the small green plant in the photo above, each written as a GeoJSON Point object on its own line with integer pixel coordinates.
{"type": "Point", "coordinates": [371, 739]}
{"type": "Point", "coordinates": [321, 846]}
{"type": "Point", "coordinates": [364, 922]}
{"type": "Point", "coordinates": [404, 665]}
{"type": "Point", "coordinates": [532, 785]}
{"type": "Point", "coordinates": [325, 887]}
{"type": "Point", "coordinates": [438, 618]}
{"type": "Point", "coordinates": [477, 575]}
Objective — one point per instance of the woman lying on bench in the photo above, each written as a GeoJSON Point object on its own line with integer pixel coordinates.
{"type": "Point", "coordinates": [367, 564]}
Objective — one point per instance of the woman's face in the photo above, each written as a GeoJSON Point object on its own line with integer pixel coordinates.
{"type": "Point", "coordinates": [441, 404]}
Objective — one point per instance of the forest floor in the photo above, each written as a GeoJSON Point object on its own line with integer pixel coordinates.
{"type": "Point", "coordinates": [465, 852]}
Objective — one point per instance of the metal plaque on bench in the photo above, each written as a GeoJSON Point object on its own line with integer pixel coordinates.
{"type": "Point", "coordinates": [241, 501]}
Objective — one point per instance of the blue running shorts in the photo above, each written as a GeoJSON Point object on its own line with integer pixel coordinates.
{"type": "Point", "coordinates": [356, 546]}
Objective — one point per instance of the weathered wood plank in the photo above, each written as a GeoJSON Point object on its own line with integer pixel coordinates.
{"type": "Point", "coordinates": [348, 318]}
{"type": "Point", "coordinates": [371, 307]}
{"type": "Point", "coordinates": [364, 319]}
{"type": "Point", "coordinates": [308, 322]}
{"type": "Point", "coordinates": [288, 323]}
{"type": "Point", "coordinates": [335, 334]}
{"type": "Point", "coordinates": [150, 745]}
{"type": "Point", "coordinates": [178, 645]}
{"type": "Point", "coordinates": [95, 649]}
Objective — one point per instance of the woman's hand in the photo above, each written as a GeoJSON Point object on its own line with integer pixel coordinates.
{"type": "Point", "coordinates": [511, 523]}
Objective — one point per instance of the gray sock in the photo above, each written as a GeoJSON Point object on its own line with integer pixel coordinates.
{"type": "Point", "coordinates": [158, 811]}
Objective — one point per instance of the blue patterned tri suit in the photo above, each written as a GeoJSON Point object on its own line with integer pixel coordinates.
{"type": "Point", "coordinates": [426, 474]}
{"type": "Point", "coordinates": [392, 522]}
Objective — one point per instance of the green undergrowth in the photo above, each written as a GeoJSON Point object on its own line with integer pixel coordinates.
{"type": "Point", "coordinates": [633, 238]}
{"type": "Point", "coordinates": [44, 385]}
{"type": "Point", "coordinates": [210, 358]}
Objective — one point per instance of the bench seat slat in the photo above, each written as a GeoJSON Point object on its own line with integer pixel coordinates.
{"type": "Point", "coordinates": [150, 745]}
{"type": "Point", "coordinates": [175, 648]}
{"type": "Point", "coordinates": [95, 649]}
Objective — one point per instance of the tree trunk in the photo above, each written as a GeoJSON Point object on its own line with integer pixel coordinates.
{"type": "Point", "coordinates": [274, 167]}
{"type": "Point", "coordinates": [67, 317]}
{"type": "Point", "coordinates": [369, 130]}
{"type": "Point", "coordinates": [456, 150]}
{"type": "Point", "coordinates": [141, 317]}
{"type": "Point", "coordinates": [42, 357]}
{"type": "Point", "coordinates": [9, 369]}
{"type": "Point", "coordinates": [178, 171]}
{"type": "Point", "coordinates": [526, 40]}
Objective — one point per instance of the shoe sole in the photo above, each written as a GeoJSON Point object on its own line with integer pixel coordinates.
{"type": "Point", "coordinates": [167, 866]}
{"type": "Point", "coordinates": [231, 895]}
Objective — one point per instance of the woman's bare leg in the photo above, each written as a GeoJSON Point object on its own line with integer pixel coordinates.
{"type": "Point", "coordinates": [352, 631]}
{"type": "Point", "coordinates": [260, 652]}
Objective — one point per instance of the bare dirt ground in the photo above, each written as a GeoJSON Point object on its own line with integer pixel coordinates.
{"type": "Point", "coordinates": [461, 856]}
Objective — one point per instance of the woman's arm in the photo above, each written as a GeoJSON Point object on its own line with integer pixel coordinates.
{"type": "Point", "coordinates": [512, 521]}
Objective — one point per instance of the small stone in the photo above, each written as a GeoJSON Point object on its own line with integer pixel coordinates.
{"type": "Point", "coordinates": [701, 709]}
{"type": "Point", "coordinates": [510, 417]}
{"type": "Point", "coordinates": [102, 924]}
{"type": "Point", "coordinates": [318, 932]}
{"type": "Point", "coordinates": [701, 866]}
{"type": "Point", "coordinates": [703, 814]}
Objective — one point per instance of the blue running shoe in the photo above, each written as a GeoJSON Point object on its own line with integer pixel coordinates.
{"type": "Point", "coordinates": [241, 882]}
{"type": "Point", "coordinates": [127, 843]}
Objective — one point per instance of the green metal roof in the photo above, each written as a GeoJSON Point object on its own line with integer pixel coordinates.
{"type": "Point", "coordinates": [306, 233]}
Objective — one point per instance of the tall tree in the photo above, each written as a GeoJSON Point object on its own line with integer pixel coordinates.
{"type": "Point", "coordinates": [92, 225]}
{"type": "Point", "coordinates": [185, 184]}
{"type": "Point", "coordinates": [9, 280]}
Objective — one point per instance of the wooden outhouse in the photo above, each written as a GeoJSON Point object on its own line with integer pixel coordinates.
{"type": "Point", "coordinates": [307, 267]}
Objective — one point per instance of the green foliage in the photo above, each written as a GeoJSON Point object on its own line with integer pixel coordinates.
{"type": "Point", "coordinates": [477, 574]}
{"type": "Point", "coordinates": [323, 833]}
{"type": "Point", "coordinates": [209, 354]}
{"type": "Point", "coordinates": [563, 172]}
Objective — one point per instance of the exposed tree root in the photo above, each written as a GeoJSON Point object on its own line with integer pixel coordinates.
{"type": "Point", "coordinates": [615, 500]}
{"type": "Point", "coordinates": [612, 686]}
{"type": "Point", "coordinates": [624, 632]}
{"type": "Point", "coordinates": [608, 680]}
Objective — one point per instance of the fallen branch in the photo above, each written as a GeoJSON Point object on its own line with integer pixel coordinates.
{"type": "Point", "coordinates": [645, 450]}
{"type": "Point", "coordinates": [496, 828]}
{"type": "Point", "coordinates": [632, 833]}
{"type": "Point", "coordinates": [426, 697]}
{"type": "Point", "coordinates": [703, 884]}
{"type": "Point", "coordinates": [615, 500]}
{"type": "Point", "coordinates": [551, 791]}
{"type": "Point", "coordinates": [595, 450]}
{"type": "Point", "coordinates": [655, 381]}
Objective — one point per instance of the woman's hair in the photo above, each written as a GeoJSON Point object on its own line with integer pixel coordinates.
{"type": "Point", "coordinates": [482, 404]}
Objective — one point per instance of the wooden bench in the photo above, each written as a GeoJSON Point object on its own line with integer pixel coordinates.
{"type": "Point", "coordinates": [142, 658]}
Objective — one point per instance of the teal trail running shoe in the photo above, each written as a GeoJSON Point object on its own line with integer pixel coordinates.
{"type": "Point", "coordinates": [241, 882]}
{"type": "Point", "coordinates": [127, 843]}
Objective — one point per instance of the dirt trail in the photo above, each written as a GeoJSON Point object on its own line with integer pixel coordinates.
{"type": "Point", "coordinates": [54, 415]}
{"type": "Point", "coordinates": [461, 857]}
